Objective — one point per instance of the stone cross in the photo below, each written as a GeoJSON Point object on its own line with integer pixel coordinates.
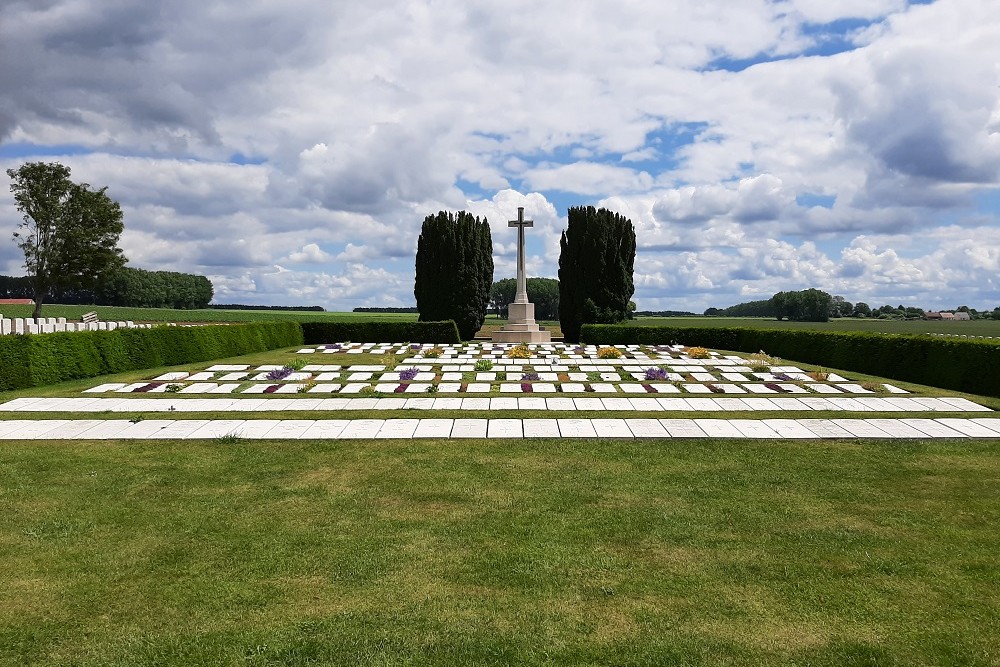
{"type": "Point", "coordinates": [522, 284]}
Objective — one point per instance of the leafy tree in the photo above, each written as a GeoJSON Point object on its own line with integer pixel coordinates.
{"type": "Point", "coordinates": [596, 259]}
{"type": "Point", "coordinates": [811, 305]}
{"type": "Point", "coordinates": [454, 270]}
{"type": "Point", "coordinates": [543, 292]}
{"type": "Point", "coordinates": [69, 234]}
{"type": "Point", "coordinates": [862, 309]}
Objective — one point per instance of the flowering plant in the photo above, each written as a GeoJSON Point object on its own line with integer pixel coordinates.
{"type": "Point", "coordinates": [519, 352]}
{"type": "Point", "coordinates": [408, 374]}
{"type": "Point", "coordinates": [526, 387]}
{"type": "Point", "coordinates": [434, 352]}
{"type": "Point", "coordinates": [608, 353]}
{"type": "Point", "coordinates": [279, 374]}
{"type": "Point", "coordinates": [529, 377]}
{"type": "Point", "coordinates": [698, 353]}
{"type": "Point", "coordinates": [484, 365]}
{"type": "Point", "coordinates": [655, 373]}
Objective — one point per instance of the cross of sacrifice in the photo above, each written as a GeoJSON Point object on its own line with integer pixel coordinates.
{"type": "Point", "coordinates": [522, 286]}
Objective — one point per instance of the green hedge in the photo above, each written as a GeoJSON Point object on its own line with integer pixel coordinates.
{"type": "Point", "coordinates": [317, 333]}
{"type": "Point", "coordinates": [42, 359]}
{"type": "Point", "coordinates": [971, 366]}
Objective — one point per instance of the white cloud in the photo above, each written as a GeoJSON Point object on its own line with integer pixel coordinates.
{"type": "Point", "coordinates": [366, 119]}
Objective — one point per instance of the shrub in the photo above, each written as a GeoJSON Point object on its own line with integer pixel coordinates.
{"type": "Point", "coordinates": [38, 360]}
{"type": "Point", "coordinates": [484, 365]}
{"type": "Point", "coordinates": [960, 364]}
{"type": "Point", "coordinates": [698, 353]}
{"type": "Point", "coordinates": [609, 353]}
{"type": "Point", "coordinates": [519, 352]}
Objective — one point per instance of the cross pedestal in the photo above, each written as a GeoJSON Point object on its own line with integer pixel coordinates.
{"type": "Point", "coordinates": [521, 326]}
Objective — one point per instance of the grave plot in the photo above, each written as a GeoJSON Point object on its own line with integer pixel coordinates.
{"type": "Point", "coordinates": [487, 368]}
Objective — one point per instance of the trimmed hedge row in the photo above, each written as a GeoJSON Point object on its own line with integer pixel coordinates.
{"type": "Point", "coordinates": [317, 333]}
{"type": "Point", "coordinates": [971, 366]}
{"type": "Point", "coordinates": [36, 360]}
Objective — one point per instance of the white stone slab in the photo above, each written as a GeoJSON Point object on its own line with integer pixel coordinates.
{"type": "Point", "coordinates": [824, 389]}
{"type": "Point", "coordinates": [448, 403]}
{"type": "Point", "coordinates": [752, 428]}
{"type": "Point", "coordinates": [198, 388]}
{"type": "Point", "coordinates": [576, 428]}
{"type": "Point", "coordinates": [33, 429]}
{"type": "Point", "coordinates": [363, 429]}
{"type": "Point", "coordinates": [896, 428]}
{"type": "Point", "coordinates": [433, 428]}
{"type": "Point", "coordinates": [540, 428]}
{"type": "Point", "coordinates": [718, 428]}
{"type": "Point", "coordinates": [228, 367]}
{"type": "Point", "coordinates": [674, 404]}
{"type": "Point", "coordinates": [759, 404]}
{"type": "Point", "coordinates": [969, 427]}
{"type": "Point", "coordinates": [106, 430]}
{"type": "Point", "coordinates": [505, 428]}
{"type": "Point", "coordinates": [588, 404]}
{"type": "Point", "coordinates": [964, 404]}
{"type": "Point", "coordinates": [475, 404]}
{"type": "Point", "coordinates": [703, 404]}
{"type": "Point", "coordinates": [216, 429]}
{"type": "Point", "coordinates": [933, 428]}
{"type": "Point", "coordinates": [646, 404]}
{"type": "Point", "coordinates": [818, 403]}
{"type": "Point", "coordinates": [503, 403]}
{"type": "Point", "coordinates": [789, 404]}
{"type": "Point", "coordinates": [477, 388]}
{"type": "Point", "coordinates": [789, 428]}
{"type": "Point", "coordinates": [849, 404]}
{"type": "Point", "coordinates": [611, 428]}
{"type": "Point", "coordinates": [682, 428]}
{"type": "Point", "coordinates": [561, 404]}
{"type": "Point", "coordinates": [176, 375]}
{"type": "Point", "coordinates": [397, 429]}
{"type": "Point", "coordinates": [531, 403]}
{"type": "Point", "coordinates": [893, 389]}
{"type": "Point", "coordinates": [469, 428]}
{"type": "Point", "coordinates": [861, 428]}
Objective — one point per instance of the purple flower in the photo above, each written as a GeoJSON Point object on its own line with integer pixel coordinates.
{"type": "Point", "coordinates": [279, 374]}
{"type": "Point", "coordinates": [529, 377]}
{"type": "Point", "coordinates": [414, 346]}
{"type": "Point", "coordinates": [782, 377]}
{"type": "Point", "coordinates": [654, 373]}
{"type": "Point", "coordinates": [408, 374]}
{"type": "Point", "coordinates": [399, 389]}
{"type": "Point", "coordinates": [774, 387]}
{"type": "Point", "coordinates": [526, 387]}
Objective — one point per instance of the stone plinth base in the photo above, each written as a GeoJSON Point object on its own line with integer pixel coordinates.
{"type": "Point", "coordinates": [521, 327]}
{"type": "Point", "coordinates": [537, 336]}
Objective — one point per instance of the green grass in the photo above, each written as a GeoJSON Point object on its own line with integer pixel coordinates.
{"type": "Point", "coordinates": [971, 328]}
{"type": "Point", "coordinates": [531, 552]}
{"type": "Point", "coordinates": [114, 313]}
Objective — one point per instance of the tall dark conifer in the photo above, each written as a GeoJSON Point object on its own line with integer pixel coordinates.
{"type": "Point", "coordinates": [597, 255]}
{"type": "Point", "coordinates": [454, 270]}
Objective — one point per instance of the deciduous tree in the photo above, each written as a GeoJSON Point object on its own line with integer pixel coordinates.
{"type": "Point", "coordinates": [69, 234]}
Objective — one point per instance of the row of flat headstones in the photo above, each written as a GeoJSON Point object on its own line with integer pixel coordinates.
{"type": "Point", "coordinates": [27, 325]}
{"type": "Point", "coordinates": [593, 404]}
{"type": "Point", "coordinates": [87, 429]}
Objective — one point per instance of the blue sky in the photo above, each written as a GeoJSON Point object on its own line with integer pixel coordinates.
{"type": "Point", "coordinates": [290, 150]}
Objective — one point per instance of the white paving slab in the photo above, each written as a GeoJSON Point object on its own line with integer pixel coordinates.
{"type": "Point", "coordinates": [752, 428]}
{"type": "Point", "coordinates": [540, 428]}
{"type": "Point", "coordinates": [896, 428]}
{"type": "Point", "coordinates": [397, 428]}
{"type": "Point", "coordinates": [683, 428]}
{"type": "Point", "coordinates": [989, 422]}
{"type": "Point", "coordinates": [469, 428]}
{"type": "Point", "coordinates": [576, 428]}
{"type": "Point", "coordinates": [968, 427]}
{"type": "Point", "coordinates": [789, 428]}
{"type": "Point", "coordinates": [611, 428]}
{"type": "Point", "coordinates": [362, 429]}
{"type": "Point", "coordinates": [433, 428]}
{"type": "Point", "coordinates": [216, 429]}
{"type": "Point", "coordinates": [860, 428]}
{"type": "Point", "coordinates": [718, 428]}
{"type": "Point", "coordinates": [825, 428]}
{"type": "Point", "coordinates": [933, 428]}
{"type": "Point", "coordinates": [505, 428]}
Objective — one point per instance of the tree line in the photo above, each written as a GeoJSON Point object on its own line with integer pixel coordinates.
{"type": "Point", "coordinates": [454, 272]}
{"type": "Point", "coordinates": [127, 286]}
{"type": "Point", "coordinates": [815, 305]}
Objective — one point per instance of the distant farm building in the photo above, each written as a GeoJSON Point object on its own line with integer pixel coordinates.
{"type": "Point", "coordinates": [17, 302]}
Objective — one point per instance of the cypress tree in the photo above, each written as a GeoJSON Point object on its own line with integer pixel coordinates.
{"type": "Point", "coordinates": [596, 260]}
{"type": "Point", "coordinates": [454, 270]}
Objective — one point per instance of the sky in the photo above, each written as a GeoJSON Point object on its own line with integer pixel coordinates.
{"type": "Point", "coordinates": [290, 149]}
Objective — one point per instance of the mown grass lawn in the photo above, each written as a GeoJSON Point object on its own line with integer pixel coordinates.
{"type": "Point", "coordinates": [526, 552]}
